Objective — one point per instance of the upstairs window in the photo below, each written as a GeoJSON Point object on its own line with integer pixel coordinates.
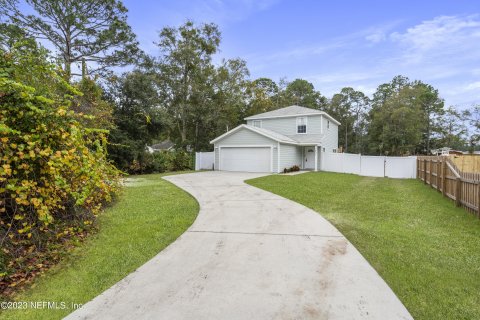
{"type": "Point", "coordinates": [257, 123]}
{"type": "Point", "coordinates": [301, 125]}
{"type": "Point", "coordinates": [328, 124]}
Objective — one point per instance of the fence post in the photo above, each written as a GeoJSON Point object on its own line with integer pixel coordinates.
{"type": "Point", "coordinates": [444, 176]}
{"type": "Point", "coordinates": [418, 170]}
{"type": "Point", "coordinates": [425, 171]}
{"type": "Point", "coordinates": [478, 200]}
{"type": "Point", "coordinates": [431, 173]}
{"type": "Point", "coordinates": [458, 192]}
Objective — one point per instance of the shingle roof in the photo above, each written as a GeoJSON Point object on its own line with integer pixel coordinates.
{"type": "Point", "coordinates": [277, 136]}
{"type": "Point", "coordinates": [287, 111]}
{"type": "Point", "coordinates": [290, 111]}
{"type": "Point", "coordinates": [306, 138]}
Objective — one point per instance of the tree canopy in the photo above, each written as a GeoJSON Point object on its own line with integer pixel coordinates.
{"type": "Point", "coordinates": [95, 32]}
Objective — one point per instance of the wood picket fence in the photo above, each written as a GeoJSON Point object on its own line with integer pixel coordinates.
{"type": "Point", "coordinates": [441, 174]}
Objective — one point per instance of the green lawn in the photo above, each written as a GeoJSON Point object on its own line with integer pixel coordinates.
{"type": "Point", "coordinates": [425, 248]}
{"type": "Point", "coordinates": [150, 214]}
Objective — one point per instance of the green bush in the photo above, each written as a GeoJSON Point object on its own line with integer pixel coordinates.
{"type": "Point", "coordinates": [162, 161]}
{"type": "Point", "coordinates": [54, 175]}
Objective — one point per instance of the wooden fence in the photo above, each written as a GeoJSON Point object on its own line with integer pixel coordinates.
{"type": "Point", "coordinates": [442, 174]}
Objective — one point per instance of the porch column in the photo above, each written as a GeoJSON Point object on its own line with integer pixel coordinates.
{"type": "Point", "coordinates": [316, 158]}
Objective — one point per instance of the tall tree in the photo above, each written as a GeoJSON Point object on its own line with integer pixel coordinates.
{"type": "Point", "coordinates": [432, 107]}
{"type": "Point", "coordinates": [396, 124]}
{"type": "Point", "coordinates": [184, 69]}
{"type": "Point", "coordinates": [263, 96]}
{"type": "Point", "coordinates": [80, 30]}
{"type": "Point", "coordinates": [350, 108]}
{"type": "Point", "coordinates": [453, 133]}
{"type": "Point", "coordinates": [138, 117]}
{"type": "Point", "coordinates": [301, 92]}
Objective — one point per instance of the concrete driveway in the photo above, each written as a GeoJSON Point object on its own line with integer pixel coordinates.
{"type": "Point", "coordinates": [249, 255]}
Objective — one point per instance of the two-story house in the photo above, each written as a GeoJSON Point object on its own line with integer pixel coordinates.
{"type": "Point", "coordinates": [278, 139]}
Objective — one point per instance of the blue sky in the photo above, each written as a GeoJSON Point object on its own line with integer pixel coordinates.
{"type": "Point", "coordinates": [335, 44]}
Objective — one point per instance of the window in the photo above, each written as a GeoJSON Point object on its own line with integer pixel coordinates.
{"type": "Point", "coordinates": [334, 150]}
{"type": "Point", "coordinates": [328, 124]}
{"type": "Point", "coordinates": [301, 125]}
{"type": "Point", "coordinates": [257, 123]}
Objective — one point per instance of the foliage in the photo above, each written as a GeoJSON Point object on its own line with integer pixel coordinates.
{"type": "Point", "coordinates": [91, 103]}
{"type": "Point", "coordinates": [291, 169]}
{"type": "Point", "coordinates": [396, 126]}
{"type": "Point", "coordinates": [301, 92]}
{"type": "Point", "coordinates": [149, 215]}
{"type": "Point", "coordinates": [54, 175]}
{"type": "Point", "coordinates": [137, 118]}
{"type": "Point", "coordinates": [424, 247]}
{"type": "Point", "coordinates": [81, 30]}
{"type": "Point", "coordinates": [350, 107]}
{"type": "Point", "coordinates": [162, 161]}
{"type": "Point", "coordinates": [185, 73]}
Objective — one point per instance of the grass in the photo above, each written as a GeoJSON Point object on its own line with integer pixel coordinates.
{"type": "Point", "coordinates": [425, 248]}
{"type": "Point", "coordinates": [150, 214]}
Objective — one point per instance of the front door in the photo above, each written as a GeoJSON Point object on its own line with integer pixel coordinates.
{"type": "Point", "coordinates": [309, 158]}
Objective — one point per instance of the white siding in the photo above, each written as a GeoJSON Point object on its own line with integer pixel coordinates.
{"type": "Point", "coordinates": [288, 126]}
{"type": "Point", "coordinates": [330, 139]}
{"type": "Point", "coordinates": [217, 158]}
{"type": "Point", "coordinates": [275, 159]}
{"type": "Point", "coordinates": [290, 156]}
{"type": "Point", "coordinates": [245, 137]}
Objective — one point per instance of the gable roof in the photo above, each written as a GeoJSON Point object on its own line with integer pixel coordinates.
{"type": "Point", "coordinates": [164, 145]}
{"type": "Point", "coordinates": [264, 132]}
{"type": "Point", "coordinates": [291, 111]}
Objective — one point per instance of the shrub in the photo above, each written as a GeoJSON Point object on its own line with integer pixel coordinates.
{"type": "Point", "coordinates": [54, 175]}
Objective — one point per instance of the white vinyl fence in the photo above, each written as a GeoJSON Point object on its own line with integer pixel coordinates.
{"type": "Point", "coordinates": [372, 166]}
{"type": "Point", "coordinates": [204, 160]}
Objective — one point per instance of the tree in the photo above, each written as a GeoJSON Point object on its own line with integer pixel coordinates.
{"type": "Point", "coordinates": [396, 124]}
{"type": "Point", "coordinates": [350, 108]}
{"type": "Point", "coordinates": [263, 96]}
{"type": "Point", "coordinates": [453, 133]}
{"type": "Point", "coordinates": [432, 107]}
{"type": "Point", "coordinates": [82, 30]}
{"type": "Point", "coordinates": [474, 116]}
{"type": "Point", "coordinates": [301, 92]}
{"type": "Point", "coordinates": [184, 69]}
{"type": "Point", "coordinates": [138, 118]}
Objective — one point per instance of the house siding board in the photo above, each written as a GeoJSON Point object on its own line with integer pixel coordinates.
{"type": "Point", "coordinates": [245, 137]}
{"type": "Point", "coordinates": [275, 160]}
{"type": "Point", "coordinates": [288, 126]}
{"type": "Point", "coordinates": [330, 139]}
{"type": "Point", "coordinates": [216, 157]}
{"type": "Point", "coordinates": [290, 156]}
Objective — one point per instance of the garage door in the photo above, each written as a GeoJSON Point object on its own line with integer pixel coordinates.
{"type": "Point", "coordinates": [245, 159]}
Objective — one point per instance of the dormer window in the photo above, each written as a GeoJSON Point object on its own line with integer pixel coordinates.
{"type": "Point", "coordinates": [302, 125]}
{"type": "Point", "coordinates": [257, 123]}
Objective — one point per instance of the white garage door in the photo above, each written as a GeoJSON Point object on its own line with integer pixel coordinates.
{"type": "Point", "coordinates": [245, 159]}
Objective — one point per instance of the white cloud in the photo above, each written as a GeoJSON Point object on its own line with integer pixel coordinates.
{"type": "Point", "coordinates": [473, 86]}
{"type": "Point", "coordinates": [440, 37]}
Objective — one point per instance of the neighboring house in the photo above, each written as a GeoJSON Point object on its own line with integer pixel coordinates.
{"type": "Point", "coordinates": [278, 139]}
{"type": "Point", "coordinates": [165, 145]}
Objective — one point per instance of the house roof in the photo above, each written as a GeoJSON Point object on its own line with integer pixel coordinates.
{"type": "Point", "coordinates": [164, 145]}
{"type": "Point", "coordinates": [264, 132]}
{"type": "Point", "coordinates": [291, 111]}
{"type": "Point", "coordinates": [306, 138]}
{"type": "Point", "coordinates": [298, 139]}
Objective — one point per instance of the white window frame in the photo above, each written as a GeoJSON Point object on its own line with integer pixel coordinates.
{"type": "Point", "coordinates": [257, 121]}
{"type": "Point", "coordinates": [306, 125]}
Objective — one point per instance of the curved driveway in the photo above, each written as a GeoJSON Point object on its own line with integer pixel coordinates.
{"type": "Point", "coordinates": [249, 255]}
